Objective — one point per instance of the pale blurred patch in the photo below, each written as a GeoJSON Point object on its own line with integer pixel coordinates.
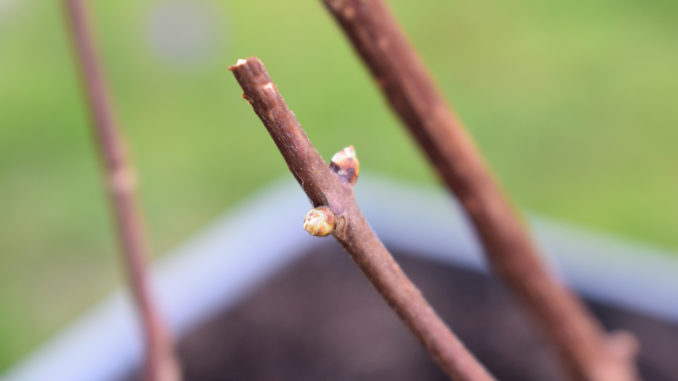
{"type": "Point", "coordinates": [6, 5]}
{"type": "Point", "coordinates": [183, 31]}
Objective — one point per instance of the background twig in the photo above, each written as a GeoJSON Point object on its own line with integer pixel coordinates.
{"type": "Point", "coordinates": [330, 191]}
{"type": "Point", "coordinates": [585, 350]}
{"type": "Point", "coordinates": [161, 364]}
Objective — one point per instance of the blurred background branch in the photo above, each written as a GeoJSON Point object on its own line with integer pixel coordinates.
{"type": "Point", "coordinates": [579, 339]}
{"type": "Point", "coordinates": [160, 361]}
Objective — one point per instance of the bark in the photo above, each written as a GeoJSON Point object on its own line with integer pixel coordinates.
{"type": "Point", "coordinates": [326, 188]}
{"type": "Point", "coordinates": [586, 351]}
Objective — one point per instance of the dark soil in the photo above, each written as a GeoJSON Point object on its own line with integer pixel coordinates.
{"type": "Point", "coordinates": [320, 319]}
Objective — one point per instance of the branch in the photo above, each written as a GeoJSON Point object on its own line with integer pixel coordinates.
{"type": "Point", "coordinates": [161, 364]}
{"type": "Point", "coordinates": [331, 193]}
{"type": "Point", "coordinates": [587, 353]}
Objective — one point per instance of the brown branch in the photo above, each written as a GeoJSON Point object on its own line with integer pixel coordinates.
{"type": "Point", "coordinates": [329, 190]}
{"type": "Point", "coordinates": [161, 364]}
{"type": "Point", "coordinates": [587, 353]}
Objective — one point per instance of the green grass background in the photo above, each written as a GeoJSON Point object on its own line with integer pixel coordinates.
{"type": "Point", "coordinates": [573, 103]}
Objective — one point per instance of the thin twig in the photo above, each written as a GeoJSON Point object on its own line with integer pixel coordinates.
{"type": "Point", "coordinates": [329, 190]}
{"type": "Point", "coordinates": [587, 353]}
{"type": "Point", "coordinates": [161, 363]}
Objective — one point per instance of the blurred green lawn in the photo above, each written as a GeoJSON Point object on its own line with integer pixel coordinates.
{"type": "Point", "coordinates": [574, 104]}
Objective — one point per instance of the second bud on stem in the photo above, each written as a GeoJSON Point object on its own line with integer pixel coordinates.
{"type": "Point", "coordinates": [345, 164]}
{"type": "Point", "coordinates": [319, 221]}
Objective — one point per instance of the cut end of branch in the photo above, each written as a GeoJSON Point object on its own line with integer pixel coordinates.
{"type": "Point", "coordinates": [252, 76]}
{"type": "Point", "coordinates": [240, 62]}
{"type": "Point", "coordinates": [345, 164]}
{"type": "Point", "coordinates": [243, 63]}
{"type": "Point", "coordinates": [319, 221]}
{"type": "Point", "coordinates": [251, 65]}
